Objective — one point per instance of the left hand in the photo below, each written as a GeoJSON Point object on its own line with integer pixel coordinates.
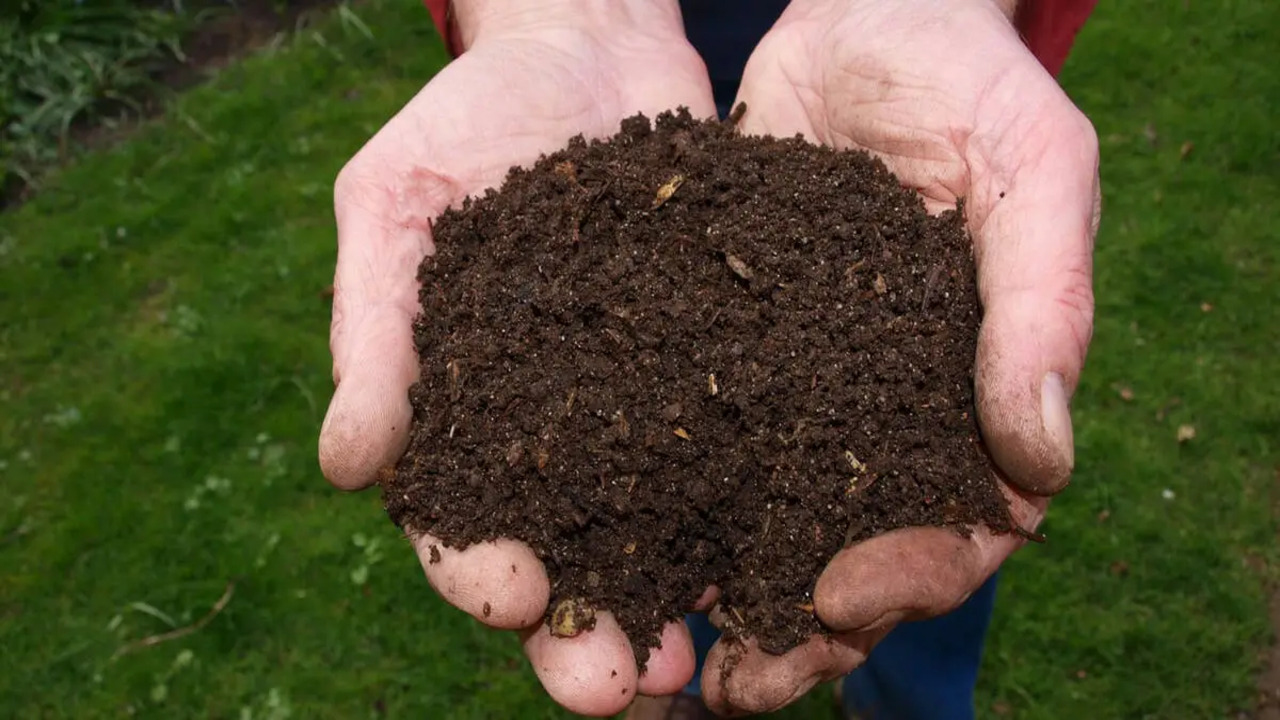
{"type": "Point", "coordinates": [535, 73]}
{"type": "Point", "coordinates": [956, 106]}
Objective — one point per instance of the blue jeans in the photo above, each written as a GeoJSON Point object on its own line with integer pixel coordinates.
{"type": "Point", "coordinates": [920, 671]}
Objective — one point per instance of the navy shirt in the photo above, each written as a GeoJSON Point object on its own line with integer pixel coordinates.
{"type": "Point", "coordinates": [725, 38]}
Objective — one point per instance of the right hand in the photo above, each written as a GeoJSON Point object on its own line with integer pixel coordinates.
{"type": "Point", "coordinates": [534, 74]}
{"type": "Point", "coordinates": [950, 99]}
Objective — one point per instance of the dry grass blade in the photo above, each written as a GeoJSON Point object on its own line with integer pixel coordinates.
{"type": "Point", "coordinates": [181, 632]}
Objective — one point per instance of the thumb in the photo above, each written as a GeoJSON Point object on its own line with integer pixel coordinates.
{"type": "Point", "coordinates": [383, 234]}
{"type": "Point", "coordinates": [1034, 252]}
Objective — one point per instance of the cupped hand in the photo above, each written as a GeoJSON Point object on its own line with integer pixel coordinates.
{"type": "Point", "coordinates": [955, 105]}
{"type": "Point", "coordinates": [533, 75]}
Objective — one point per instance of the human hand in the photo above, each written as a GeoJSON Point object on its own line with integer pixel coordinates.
{"type": "Point", "coordinates": [534, 74]}
{"type": "Point", "coordinates": [957, 107]}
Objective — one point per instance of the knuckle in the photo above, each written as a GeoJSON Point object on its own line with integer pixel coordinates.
{"type": "Point", "coordinates": [1070, 135]}
{"type": "Point", "coordinates": [349, 178]}
{"type": "Point", "coordinates": [1080, 132]}
{"type": "Point", "coordinates": [356, 184]}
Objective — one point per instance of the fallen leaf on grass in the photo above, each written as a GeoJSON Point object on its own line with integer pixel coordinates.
{"type": "Point", "coordinates": [1206, 307]}
{"type": "Point", "coordinates": [1185, 150]}
{"type": "Point", "coordinates": [1186, 433]}
{"type": "Point", "coordinates": [1120, 568]}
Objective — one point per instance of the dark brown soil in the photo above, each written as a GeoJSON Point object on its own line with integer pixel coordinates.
{"type": "Point", "coordinates": [684, 358]}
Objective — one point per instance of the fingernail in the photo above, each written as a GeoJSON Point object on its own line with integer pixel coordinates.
{"type": "Point", "coordinates": [1055, 416]}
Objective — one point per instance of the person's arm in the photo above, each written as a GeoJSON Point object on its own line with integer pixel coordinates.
{"type": "Point", "coordinates": [1048, 27]}
{"type": "Point", "coordinates": [535, 73]}
{"type": "Point", "coordinates": [442, 16]}
{"type": "Point", "coordinates": [959, 103]}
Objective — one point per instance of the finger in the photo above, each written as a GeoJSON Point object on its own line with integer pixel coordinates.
{"type": "Point", "coordinates": [916, 573]}
{"type": "Point", "coordinates": [708, 599]}
{"type": "Point", "coordinates": [383, 235]}
{"type": "Point", "coordinates": [669, 667]}
{"type": "Point", "coordinates": [763, 116]}
{"type": "Point", "coordinates": [740, 678]}
{"type": "Point", "coordinates": [1034, 249]}
{"type": "Point", "coordinates": [502, 584]}
{"type": "Point", "coordinates": [900, 575]}
{"type": "Point", "coordinates": [592, 673]}
{"type": "Point", "coordinates": [367, 424]}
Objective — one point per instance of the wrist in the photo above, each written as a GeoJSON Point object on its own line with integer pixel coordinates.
{"type": "Point", "coordinates": [1008, 7]}
{"type": "Point", "coordinates": [837, 8]}
{"type": "Point", "coordinates": [484, 20]}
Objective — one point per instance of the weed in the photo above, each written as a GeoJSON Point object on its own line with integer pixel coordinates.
{"type": "Point", "coordinates": [64, 62]}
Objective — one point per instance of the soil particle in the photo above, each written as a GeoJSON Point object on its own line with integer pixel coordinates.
{"type": "Point", "coordinates": [682, 357]}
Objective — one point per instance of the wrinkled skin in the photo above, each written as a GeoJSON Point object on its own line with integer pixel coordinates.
{"type": "Point", "coordinates": [513, 95]}
{"type": "Point", "coordinates": [949, 98]}
{"type": "Point", "coordinates": [957, 107]}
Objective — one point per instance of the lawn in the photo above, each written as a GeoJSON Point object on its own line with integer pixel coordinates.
{"type": "Point", "coordinates": [164, 371]}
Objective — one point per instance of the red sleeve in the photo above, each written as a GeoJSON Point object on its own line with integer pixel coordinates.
{"type": "Point", "coordinates": [1048, 27]}
{"type": "Point", "coordinates": [440, 14]}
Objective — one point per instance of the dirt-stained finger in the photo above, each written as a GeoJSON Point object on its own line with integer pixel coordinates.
{"type": "Point", "coordinates": [591, 673]}
{"type": "Point", "coordinates": [918, 573]}
{"type": "Point", "coordinates": [500, 583]}
{"type": "Point", "coordinates": [1034, 250]}
{"type": "Point", "coordinates": [739, 678]}
{"type": "Point", "coordinates": [906, 572]}
{"type": "Point", "coordinates": [670, 667]}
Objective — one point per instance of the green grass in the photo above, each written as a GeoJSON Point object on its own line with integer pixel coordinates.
{"type": "Point", "coordinates": [164, 370]}
{"type": "Point", "coordinates": [69, 62]}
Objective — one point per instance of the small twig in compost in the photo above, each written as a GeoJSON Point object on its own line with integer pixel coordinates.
{"type": "Point", "coordinates": [736, 114]}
